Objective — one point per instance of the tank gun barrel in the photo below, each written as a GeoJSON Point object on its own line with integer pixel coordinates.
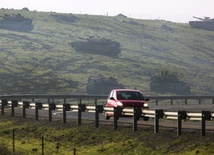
{"type": "Point", "coordinates": [198, 18]}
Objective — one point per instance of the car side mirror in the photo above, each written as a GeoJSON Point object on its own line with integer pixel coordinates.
{"type": "Point", "coordinates": [112, 98]}
{"type": "Point", "coordinates": [147, 99]}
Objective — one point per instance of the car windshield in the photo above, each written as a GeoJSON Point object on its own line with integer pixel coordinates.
{"type": "Point", "coordinates": [129, 95]}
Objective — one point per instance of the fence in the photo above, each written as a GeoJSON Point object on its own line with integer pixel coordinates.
{"type": "Point", "coordinates": [157, 99]}
{"type": "Point", "coordinates": [135, 112]}
{"type": "Point", "coordinates": [37, 147]}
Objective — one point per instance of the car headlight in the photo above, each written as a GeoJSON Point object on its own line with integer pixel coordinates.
{"type": "Point", "coordinates": [145, 105]}
{"type": "Point", "coordinates": [119, 103]}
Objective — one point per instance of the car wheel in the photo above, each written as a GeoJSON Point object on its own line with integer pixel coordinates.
{"type": "Point", "coordinates": [107, 117]}
{"type": "Point", "coordinates": [145, 118]}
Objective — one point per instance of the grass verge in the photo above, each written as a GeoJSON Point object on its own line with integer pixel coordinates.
{"type": "Point", "coordinates": [69, 138]}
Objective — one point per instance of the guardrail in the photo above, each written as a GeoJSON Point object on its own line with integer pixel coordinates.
{"type": "Point", "coordinates": [135, 112]}
{"type": "Point", "coordinates": [156, 99]}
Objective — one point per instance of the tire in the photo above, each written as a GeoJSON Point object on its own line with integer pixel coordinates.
{"type": "Point", "coordinates": [106, 116]}
{"type": "Point", "coordinates": [145, 118]}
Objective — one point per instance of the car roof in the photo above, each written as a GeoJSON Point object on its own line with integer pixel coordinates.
{"type": "Point", "coordinates": [134, 90]}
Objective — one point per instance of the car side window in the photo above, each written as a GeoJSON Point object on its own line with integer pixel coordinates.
{"type": "Point", "coordinates": [111, 94]}
{"type": "Point", "coordinates": [114, 95]}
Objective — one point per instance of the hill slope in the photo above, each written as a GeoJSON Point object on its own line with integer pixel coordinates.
{"type": "Point", "coordinates": [63, 51]}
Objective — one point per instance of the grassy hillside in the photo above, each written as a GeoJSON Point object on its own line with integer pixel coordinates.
{"type": "Point", "coordinates": [43, 60]}
{"type": "Point", "coordinates": [61, 139]}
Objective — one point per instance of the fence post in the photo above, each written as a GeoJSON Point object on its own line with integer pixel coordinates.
{"type": "Point", "coordinates": [81, 108]}
{"type": "Point", "coordinates": [80, 101]}
{"type": "Point", "coordinates": [137, 114]}
{"type": "Point", "coordinates": [66, 107]}
{"type": "Point", "coordinates": [156, 102]}
{"type": "Point", "coordinates": [26, 104]}
{"type": "Point", "coordinates": [37, 107]}
{"type": "Point", "coordinates": [171, 102]}
{"type": "Point", "coordinates": [64, 113]}
{"type": "Point", "coordinates": [117, 113]}
{"type": "Point", "coordinates": [158, 115]}
{"type": "Point", "coordinates": [206, 115]}
{"type": "Point", "coordinates": [99, 109]}
{"type": "Point", "coordinates": [3, 103]}
{"type": "Point", "coordinates": [13, 140]}
{"type": "Point", "coordinates": [52, 106]}
{"type": "Point", "coordinates": [75, 151]}
{"type": "Point", "coordinates": [181, 115]}
{"type": "Point", "coordinates": [43, 144]}
{"type": "Point", "coordinates": [14, 104]}
{"type": "Point", "coordinates": [185, 101]}
{"type": "Point", "coordinates": [95, 101]}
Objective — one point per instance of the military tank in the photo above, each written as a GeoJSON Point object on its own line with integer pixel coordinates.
{"type": "Point", "coordinates": [99, 46]}
{"type": "Point", "coordinates": [205, 23]}
{"type": "Point", "coordinates": [16, 22]}
{"type": "Point", "coordinates": [102, 85]}
{"type": "Point", "coordinates": [166, 82]}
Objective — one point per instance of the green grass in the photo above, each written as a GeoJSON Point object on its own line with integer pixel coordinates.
{"type": "Point", "coordinates": [86, 139]}
{"type": "Point", "coordinates": [43, 60]}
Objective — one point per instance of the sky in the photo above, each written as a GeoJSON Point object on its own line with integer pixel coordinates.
{"type": "Point", "coordinates": [180, 11]}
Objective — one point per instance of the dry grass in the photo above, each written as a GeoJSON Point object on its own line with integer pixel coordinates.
{"type": "Point", "coordinates": [86, 139]}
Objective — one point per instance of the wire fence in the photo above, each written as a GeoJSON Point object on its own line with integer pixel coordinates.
{"type": "Point", "coordinates": [20, 143]}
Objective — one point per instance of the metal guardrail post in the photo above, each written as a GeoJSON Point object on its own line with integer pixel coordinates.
{"type": "Point", "coordinates": [81, 108]}
{"type": "Point", "coordinates": [117, 113]}
{"type": "Point", "coordinates": [52, 106]}
{"type": "Point", "coordinates": [158, 115]}
{"type": "Point", "coordinates": [26, 104]}
{"type": "Point", "coordinates": [66, 107]}
{"type": "Point", "coordinates": [156, 102]}
{"type": "Point", "coordinates": [38, 106]}
{"type": "Point", "coordinates": [137, 114]}
{"type": "Point", "coordinates": [206, 115]}
{"type": "Point", "coordinates": [181, 115]}
{"type": "Point", "coordinates": [14, 104]}
{"type": "Point", "coordinates": [3, 104]}
{"type": "Point", "coordinates": [95, 102]}
{"type": "Point", "coordinates": [171, 101]}
{"type": "Point", "coordinates": [80, 101]}
{"type": "Point", "coordinates": [99, 109]}
{"type": "Point", "coordinates": [186, 101]}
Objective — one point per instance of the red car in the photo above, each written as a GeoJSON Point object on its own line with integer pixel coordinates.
{"type": "Point", "coordinates": [125, 98]}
